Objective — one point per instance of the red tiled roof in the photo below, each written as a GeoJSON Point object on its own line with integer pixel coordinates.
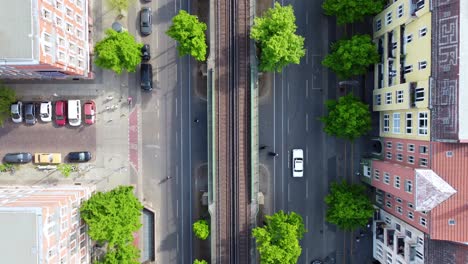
{"type": "Point", "coordinates": [450, 162]}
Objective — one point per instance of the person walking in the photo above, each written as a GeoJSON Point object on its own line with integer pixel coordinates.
{"type": "Point", "coordinates": [273, 154]}
{"type": "Point", "coordinates": [196, 120]}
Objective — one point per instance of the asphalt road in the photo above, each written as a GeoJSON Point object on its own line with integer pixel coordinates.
{"type": "Point", "coordinates": [289, 120]}
{"type": "Point", "coordinates": [166, 139]}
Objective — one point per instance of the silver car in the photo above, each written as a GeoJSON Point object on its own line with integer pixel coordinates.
{"type": "Point", "coordinates": [17, 112]}
{"type": "Point", "coordinates": [145, 21]}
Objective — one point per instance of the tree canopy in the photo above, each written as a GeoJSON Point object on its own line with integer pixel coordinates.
{"type": "Point", "coordinates": [201, 229]}
{"type": "Point", "coordinates": [349, 11]}
{"type": "Point", "coordinates": [112, 216]}
{"type": "Point", "coordinates": [118, 52]}
{"type": "Point", "coordinates": [189, 32]}
{"type": "Point", "coordinates": [351, 57]}
{"type": "Point", "coordinates": [126, 253]}
{"type": "Point", "coordinates": [200, 261]}
{"type": "Point", "coordinates": [348, 206]}
{"type": "Point", "coordinates": [278, 240]}
{"type": "Point", "coordinates": [347, 118]}
{"type": "Point", "coordinates": [7, 97]}
{"type": "Point", "coordinates": [275, 34]}
{"type": "Point", "coordinates": [120, 5]}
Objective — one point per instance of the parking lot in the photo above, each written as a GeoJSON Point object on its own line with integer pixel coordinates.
{"type": "Point", "coordinates": [46, 137]}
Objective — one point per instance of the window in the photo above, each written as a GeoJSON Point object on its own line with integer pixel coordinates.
{"type": "Point", "coordinates": [61, 56]}
{"type": "Point", "coordinates": [411, 159]}
{"type": "Point", "coordinates": [69, 28]}
{"type": "Point", "coordinates": [78, 19]}
{"type": "Point", "coordinates": [399, 146]}
{"type": "Point", "coordinates": [80, 51]}
{"type": "Point", "coordinates": [410, 205]}
{"type": "Point", "coordinates": [386, 178]}
{"type": "Point", "coordinates": [61, 41]}
{"type": "Point", "coordinates": [409, 123]}
{"type": "Point", "coordinates": [396, 122]}
{"type": "Point", "coordinates": [378, 25]}
{"type": "Point", "coordinates": [422, 221]}
{"type": "Point", "coordinates": [408, 186]}
{"type": "Point", "coordinates": [378, 99]}
{"type": "Point", "coordinates": [419, 255]}
{"type": "Point", "coordinates": [410, 147]}
{"type": "Point", "coordinates": [452, 222]}
{"type": "Point", "coordinates": [388, 18]}
{"type": "Point", "coordinates": [423, 162]}
{"type": "Point", "coordinates": [398, 200]}
{"type": "Point", "coordinates": [400, 10]}
{"type": "Point", "coordinates": [376, 174]}
{"type": "Point", "coordinates": [71, 46]}
{"type": "Point", "coordinates": [378, 198]}
{"type": "Point", "coordinates": [389, 155]}
{"type": "Point", "coordinates": [52, 252]}
{"type": "Point", "coordinates": [79, 33]}
{"type": "Point", "coordinates": [389, 144]}
{"type": "Point", "coordinates": [423, 149]}
{"type": "Point", "coordinates": [422, 123]}
{"type": "Point", "coordinates": [71, 59]}
{"type": "Point", "coordinates": [420, 241]}
{"type": "Point", "coordinates": [419, 95]}
{"type": "Point", "coordinates": [47, 37]}
{"type": "Point", "coordinates": [422, 32]}
{"type": "Point", "coordinates": [388, 98]}
{"type": "Point", "coordinates": [408, 233]}
{"type": "Point", "coordinates": [386, 123]}
{"type": "Point", "coordinates": [422, 65]}
{"type": "Point", "coordinates": [389, 204]}
{"type": "Point", "coordinates": [79, 3]}
{"type": "Point", "coordinates": [399, 157]}
{"type": "Point", "coordinates": [80, 64]}
{"type": "Point", "coordinates": [59, 5]}
{"type": "Point", "coordinates": [410, 215]}
{"type": "Point", "coordinates": [69, 12]}
{"type": "Point", "coordinates": [389, 196]}
{"type": "Point", "coordinates": [388, 220]}
{"type": "Point", "coordinates": [58, 21]}
{"type": "Point", "coordinates": [399, 210]}
{"type": "Point", "coordinates": [46, 14]}
{"type": "Point", "coordinates": [64, 225]}
{"type": "Point", "coordinates": [47, 49]}
{"type": "Point", "coordinates": [409, 38]}
{"type": "Point", "coordinates": [408, 68]}
{"type": "Point", "coordinates": [397, 182]}
{"type": "Point", "coordinates": [399, 96]}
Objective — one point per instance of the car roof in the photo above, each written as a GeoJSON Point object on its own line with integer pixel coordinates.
{"type": "Point", "coordinates": [44, 106]}
{"type": "Point", "coordinates": [59, 107]}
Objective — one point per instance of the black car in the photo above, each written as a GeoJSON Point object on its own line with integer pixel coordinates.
{"type": "Point", "coordinates": [145, 52]}
{"type": "Point", "coordinates": [145, 21]}
{"type": "Point", "coordinates": [30, 114]}
{"type": "Point", "coordinates": [146, 77]}
{"type": "Point", "coordinates": [22, 157]}
{"type": "Point", "coordinates": [80, 156]}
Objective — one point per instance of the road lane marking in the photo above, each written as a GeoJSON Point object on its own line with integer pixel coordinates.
{"type": "Point", "coordinates": [177, 209]}
{"type": "Point", "coordinates": [307, 188]}
{"type": "Point", "coordinates": [177, 174]}
{"type": "Point", "coordinates": [307, 154]}
{"type": "Point", "coordinates": [177, 139]}
{"type": "Point", "coordinates": [307, 122]}
{"type": "Point", "coordinates": [307, 222]}
{"type": "Point", "coordinates": [176, 107]}
{"type": "Point", "coordinates": [288, 91]}
{"type": "Point", "coordinates": [289, 198]}
{"type": "Point", "coordinates": [307, 56]}
{"type": "Point", "coordinates": [288, 125]}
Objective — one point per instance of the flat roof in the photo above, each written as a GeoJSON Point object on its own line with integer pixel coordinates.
{"type": "Point", "coordinates": [16, 30]}
{"type": "Point", "coordinates": [20, 239]}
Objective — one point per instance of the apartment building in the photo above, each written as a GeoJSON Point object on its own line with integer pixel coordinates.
{"type": "Point", "coordinates": [44, 39]}
{"type": "Point", "coordinates": [418, 171]}
{"type": "Point", "coordinates": [43, 225]}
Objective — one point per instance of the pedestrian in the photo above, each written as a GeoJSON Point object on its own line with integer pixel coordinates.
{"type": "Point", "coordinates": [357, 239]}
{"type": "Point", "coordinates": [196, 120]}
{"type": "Point", "coordinates": [263, 147]}
{"type": "Point", "coordinates": [129, 100]}
{"type": "Point", "coordinates": [168, 177]}
{"type": "Point", "coordinates": [273, 154]}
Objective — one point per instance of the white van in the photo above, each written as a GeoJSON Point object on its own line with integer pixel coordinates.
{"type": "Point", "coordinates": [74, 112]}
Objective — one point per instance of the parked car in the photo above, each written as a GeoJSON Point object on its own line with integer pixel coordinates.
{"type": "Point", "coordinates": [21, 157]}
{"type": "Point", "coordinates": [30, 114]}
{"type": "Point", "coordinates": [47, 158]}
{"type": "Point", "coordinates": [60, 113]}
{"type": "Point", "coordinates": [74, 112]}
{"type": "Point", "coordinates": [298, 162]}
{"type": "Point", "coordinates": [80, 156]}
{"type": "Point", "coordinates": [17, 112]}
{"type": "Point", "coordinates": [145, 52]}
{"type": "Point", "coordinates": [146, 77]}
{"type": "Point", "coordinates": [90, 112]}
{"type": "Point", "coordinates": [145, 21]}
{"type": "Point", "coordinates": [46, 111]}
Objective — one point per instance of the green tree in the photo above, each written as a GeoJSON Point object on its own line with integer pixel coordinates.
{"type": "Point", "coordinates": [112, 216]}
{"type": "Point", "coordinates": [7, 97]}
{"type": "Point", "coordinates": [347, 118]}
{"type": "Point", "coordinates": [275, 34]}
{"type": "Point", "coordinates": [349, 11]}
{"type": "Point", "coordinates": [200, 261]}
{"type": "Point", "coordinates": [189, 32]}
{"type": "Point", "coordinates": [120, 5]}
{"type": "Point", "coordinates": [201, 229]}
{"type": "Point", "coordinates": [66, 169]}
{"type": "Point", "coordinates": [278, 240]}
{"type": "Point", "coordinates": [126, 253]}
{"type": "Point", "coordinates": [118, 52]}
{"type": "Point", "coordinates": [351, 57]}
{"type": "Point", "coordinates": [348, 206]}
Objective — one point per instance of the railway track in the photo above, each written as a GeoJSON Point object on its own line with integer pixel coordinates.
{"type": "Point", "coordinates": [233, 132]}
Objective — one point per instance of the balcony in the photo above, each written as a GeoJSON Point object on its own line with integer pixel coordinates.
{"type": "Point", "coordinates": [390, 236]}
{"type": "Point", "coordinates": [401, 246]}
{"type": "Point", "coordinates": [379, 231]}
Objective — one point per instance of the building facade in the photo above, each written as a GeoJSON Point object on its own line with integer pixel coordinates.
{"type": "Point", "coordinates": [43, 225]}
{"type": "Point", "coordinates": [43, 39]}
{"type": "Point", "coordinates": [419, 91]}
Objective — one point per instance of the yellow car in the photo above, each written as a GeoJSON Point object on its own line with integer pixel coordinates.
{"type": "Point", "coordinates": [47, 158]}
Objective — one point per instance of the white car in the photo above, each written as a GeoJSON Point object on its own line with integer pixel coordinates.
{"type": "Point", "coordinates": [46, 112]}
{"type": "Point", "coordinates": [17, 112]}
{"type": "Point", "coordinates": [74, 112]}
{"type": "Point", "coordinates": [298, 162]}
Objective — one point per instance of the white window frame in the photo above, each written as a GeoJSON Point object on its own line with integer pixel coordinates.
{"type": "Point", "coordinates": [422, 32]}
{"type": "Point", "coordinates": [410, 205]}
{"type": "Point", "coordinates": [387, 178]}
{"type": "Point", "coordinates": [388, 144]}
{"type": "Point", "coordinates": [388, 204]}
{"type": "Point", "coordinates": [422, 123]}
{"type": "Point", "coordinates": [422, 65]}
{"type": "Point", "coordinates": [59, 5]}
{"type": "Point", "coordinates": [423, 149]}
{"type": "Point", "coordinates": [378, 24]}
{"type": "Point", "coordinates": [79, 19]}
{"type": "Point", "coordinates": [378, 99]}
{"type": "Point", "coordinates": [419, 94]}
{"type": "Point", "coordinates": [408, 186]}
{"type": "Point", "coordinates": [398, 200]}
{"type": "Point", "coordinates": [396, 123]}
{"type": "Point", "coordinates": [69, 28]}
{"type": "Point", "coordinates": [411, 147]}
{"type": "Point", "coordinates": [376, 174]}
{"type": "Point", "coordinates": [399, 146]}
{"type": "Point", "coordinates": [396, 182]}
{"type": "Point", "coordinates": [388, 18]}
{"type": "Point", "coordinates": [386, 123]}
{"type": "Point", "coordinates": [47, 49]}
{"type": "Point", "coordinates": [388, 155]}
{"type": "Point", "coordinates": [388, 98]}
{"type": "Point", "coordinates": [79, 33]}
{"type": "Point", "coordinates": [409, 123]}
{"type": "Point", "coordinates": [408, 68]}
{"type": "Point", "coordinates": [400, 11]}
{"type": "Point", "coordinates": [399, 96]}
{"type": "Point", "coordinates": [69, 14]}
{"type": "Point", "coordinates": [410, 215]}
{"type": "Point", "coordinates": [422, 221]}
{"type": "Point", "coordinates": [399, 157]}
{"type": "Point", "coordinates": [423, 162]}
{"type": "Point", "coordinates": [399, 209]}
{"type": "Point", "coordinates": [46, 14]}
{"type": "Point", "coordinates": [410, 159]}
{"type": "Point", "coordinates": [409, 38]}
